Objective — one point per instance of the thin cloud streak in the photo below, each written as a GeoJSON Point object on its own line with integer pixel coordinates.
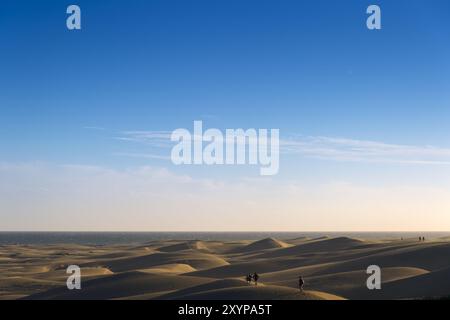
{"type": "Point", "coordinates": [343, 149]}
{"type": "Point", "coordinates": [321, 147]}
{"type": "Point", "coordinates": [142, 155]}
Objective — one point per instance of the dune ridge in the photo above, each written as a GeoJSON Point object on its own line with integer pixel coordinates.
{"type": "Point", "coordinates": [265, 244]}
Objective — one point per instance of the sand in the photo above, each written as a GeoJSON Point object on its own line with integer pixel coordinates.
{"type": "Point", "coordinates": [333, 269]}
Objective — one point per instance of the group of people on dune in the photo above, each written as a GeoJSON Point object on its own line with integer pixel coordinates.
{"type": "Point", "coordinates": [254, 277]}
{"type": "Point", "coordinates": [421, 239]}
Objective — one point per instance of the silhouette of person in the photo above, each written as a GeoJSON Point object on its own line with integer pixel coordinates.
{"type": "Point", "coordinates": [255, 278]}
{"type": "Point", "coordinates": [249, 278]}
{"type": "Point", "coordinates": [301, 283]}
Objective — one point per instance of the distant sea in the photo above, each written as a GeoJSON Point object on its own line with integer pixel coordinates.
{"type": "Point", "coordinates": [118, 238]}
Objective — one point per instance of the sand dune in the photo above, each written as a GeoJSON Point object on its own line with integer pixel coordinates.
{"type": "Point", "coordinates": [265, 244]}
{"type": "Point", "coordinates": [196, 260]}
{"type": "Point", "coordinates": [195, 245]}
{"type": "Point", "coordinates": [122, 254]}
{"type": "Point", "coordinates": [314, 246]}
{"type": "Point", "coordinates": [424, 256]}
{"type": "Point", "coordinates": [122, 285]}
{"type": "Point", "coordinates": [298, 240]}
{"type": "Point", "coordinates": [236, 289]}
{"type": "Point", "coordinates": [240, 269]}
{"type": "Point", "coordinates": [260, 293]}
{"type": "Point", "coordinates": [174, 268]}
{"type": "Point", "coordinates": [434, 284]}
{"type": "Point", "coordinates": [214, 285]}
{"type": "Point", "coordinates": [343, 284]}
{"type": "Point", "coordinates": [333, 268]}
{"type": "Point", "coordinates": [23, 286]}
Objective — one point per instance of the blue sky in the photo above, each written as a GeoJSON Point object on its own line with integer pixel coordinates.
{"type": "Point", "coordinates": [309, 68]}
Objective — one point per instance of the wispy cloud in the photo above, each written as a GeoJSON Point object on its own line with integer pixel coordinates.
{"type": "Point", "coordinates": [94, 128]}
{"type": "Point", "coordinates": [323, 147]}
{"type": "Point", "coordinates": [159, 139]}
{"type": "Point", "coordinates": [142, 155]}
{"type": "Point", "coordinates": [344, 149]}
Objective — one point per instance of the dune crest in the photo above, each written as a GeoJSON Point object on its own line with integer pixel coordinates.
{"type": "Point", "coordinates": [174, 268]}
{"type": "Point", "coordinates": [263, 292]}
{"type": "Point", "coordinates": [189, 245]}
{"type": "Point", "coordinates": [265, 244]}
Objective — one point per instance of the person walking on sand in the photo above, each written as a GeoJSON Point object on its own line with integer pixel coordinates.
{"type": "Point", "coordinates": [249, 278]}
{"type": "Point", "coordinates": [301, 283]}
{"type": "Point", "coordinates": [255, 278]}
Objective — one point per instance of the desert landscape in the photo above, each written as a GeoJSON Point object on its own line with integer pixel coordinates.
{"type": "Point", "coordinates": [333, 268]}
